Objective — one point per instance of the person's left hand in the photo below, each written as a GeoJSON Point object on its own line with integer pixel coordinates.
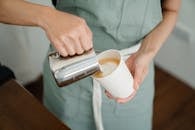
{"type": "Point", "coordinates": [138, 64]}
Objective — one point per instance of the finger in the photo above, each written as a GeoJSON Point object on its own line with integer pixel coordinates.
{"type": "Point", "coordinates": [86, 39]}
{"type": "Point", "coordinates": [69, 45]}
{"type": "Point", "coordinates": [135, 85]}
{"type": "Point", "coordinates": [89, 33]}
{"type": "Point", "coordinates": [144, 74]}
{"type": "Point", "coordinates": [63, 52]}
{"type": "Point", "coordinates": [129, 61]}
{"type": "Point", "coordinates": [108, 95]}
{"type": "Point", "coordinates": [124, 100]}
{"type": "Point", "coordinates": [85, 43]}
{"type": "Point", "coordinates": [77, 47]}
{"type": "Point", "coordinates": [130, 64]}
{"type": "Point", "coordinates": [76, 43]}
{"type": "Point", "coordinates": [137, 78]}
{"type": "Point", "coordinates": [60, 48]}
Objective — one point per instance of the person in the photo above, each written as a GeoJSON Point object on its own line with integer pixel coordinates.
{"type": "Point", "coordinates": [77, 26]}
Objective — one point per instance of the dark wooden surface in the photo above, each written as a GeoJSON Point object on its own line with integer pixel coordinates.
{"type": "Point", "coordinates": [174, 104]}
{"type": "Point", "coordinates": [19, 110]}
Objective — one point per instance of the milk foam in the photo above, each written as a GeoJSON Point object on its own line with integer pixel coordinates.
{"type": "Point", "coordinates": [107, 68]}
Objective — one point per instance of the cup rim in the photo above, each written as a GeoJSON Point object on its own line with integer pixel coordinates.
{"type": "Point", "coordinates": [114, 69]}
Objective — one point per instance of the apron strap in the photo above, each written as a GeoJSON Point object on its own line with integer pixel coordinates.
{"type": "Point", "coordinates": [97, 93]}
{"type": "Point", "coordinates": [97, 105]}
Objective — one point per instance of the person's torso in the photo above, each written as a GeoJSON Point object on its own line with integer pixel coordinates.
{"type": "Point", "coordinates": [115, 23]}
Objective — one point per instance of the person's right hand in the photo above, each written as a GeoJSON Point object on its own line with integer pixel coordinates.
{"type": "Point", "coordinates": [68, 33]}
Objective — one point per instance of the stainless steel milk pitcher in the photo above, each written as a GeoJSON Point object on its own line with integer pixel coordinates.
{"type": "Point", "coordinates": [72, 68]}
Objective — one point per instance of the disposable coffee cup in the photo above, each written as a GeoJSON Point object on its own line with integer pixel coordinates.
{"type": "Point", "coordinates": [114, 76]}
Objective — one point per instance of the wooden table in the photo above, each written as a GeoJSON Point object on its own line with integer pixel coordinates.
{"type": "Point", "coordinates": [19, 110]}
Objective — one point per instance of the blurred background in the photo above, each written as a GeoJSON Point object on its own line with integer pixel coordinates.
{"type": "Point", "coordinates": [177, 55]}
{"type": "Point", "coordinates": [23, 49]}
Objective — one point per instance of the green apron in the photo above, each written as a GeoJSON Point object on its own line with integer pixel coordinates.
{"type": "Point", "coordinates": [115, 24]}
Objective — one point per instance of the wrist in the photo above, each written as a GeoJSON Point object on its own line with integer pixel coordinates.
{"type": "Point", "coordinates": [44, 17]}
{"type": "Point", "coordinates": [148, 50]}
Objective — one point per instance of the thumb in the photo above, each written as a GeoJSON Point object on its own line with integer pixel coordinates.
{"type": "Point", "coordinates": [137, 78]}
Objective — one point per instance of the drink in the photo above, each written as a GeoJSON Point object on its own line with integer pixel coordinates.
{"type": "Point", "coordinates": [107, 65]}
{"type": "Point", "coordinates": [114, 76]}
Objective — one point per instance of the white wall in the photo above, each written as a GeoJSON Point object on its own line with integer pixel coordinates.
{"type": "Point", "coordinates": [177, 56]}
{"type": "Point", "coordinates": [23, 49]}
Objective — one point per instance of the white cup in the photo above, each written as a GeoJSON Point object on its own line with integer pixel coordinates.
{"type": "Point", "coordinates": [119, 83]}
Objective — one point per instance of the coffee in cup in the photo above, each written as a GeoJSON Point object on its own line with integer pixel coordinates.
{"type": "Point", "coordinates": [107, 65]}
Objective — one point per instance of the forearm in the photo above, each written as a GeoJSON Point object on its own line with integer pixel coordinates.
{"type": "Point", "coordinates": [20, 12]}
{"type": "Point", "coordinates": [154, 40]}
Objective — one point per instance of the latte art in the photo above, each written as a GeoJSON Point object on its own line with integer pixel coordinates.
{"type": "Point", "coordinates": [107, 65]}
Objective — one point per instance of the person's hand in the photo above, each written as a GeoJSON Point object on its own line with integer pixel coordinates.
{"type": "Point", "coordinates": [68, 33]}
{"type": "Point", "coordinates": [138, 64]}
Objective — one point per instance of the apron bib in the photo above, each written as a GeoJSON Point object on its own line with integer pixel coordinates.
{"type": "Point", "coordinates": [116, 24]}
